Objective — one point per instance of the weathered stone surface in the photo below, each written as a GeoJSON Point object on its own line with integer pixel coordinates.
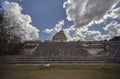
{"type": "Point", "coordinates": [66, 52]}
{"type": "Point", "coordinates": [59, 37]}
{"type": "Point", "coordinates": [60, 49]}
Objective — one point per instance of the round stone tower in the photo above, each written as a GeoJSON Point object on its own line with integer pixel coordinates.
{"type": "Point", "coordinates": [59, 37]}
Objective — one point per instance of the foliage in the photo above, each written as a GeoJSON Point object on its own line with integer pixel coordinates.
{"type": "Point", "coordinates": [9, 43]}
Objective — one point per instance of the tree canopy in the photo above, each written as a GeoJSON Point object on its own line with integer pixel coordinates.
{"type": "Point", "coordinates": [9, 42]}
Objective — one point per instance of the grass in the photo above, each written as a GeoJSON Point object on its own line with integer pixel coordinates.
{"type": "Point", "coordinates": [61, 72]}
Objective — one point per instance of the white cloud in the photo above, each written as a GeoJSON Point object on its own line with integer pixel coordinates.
{"type": "Point", "coordinates": [114, 13]}
{"type": "Point", "coordinates": [93, 35]}
{"type": "Point", "coordinates": [83, 12]}
{"type": "Point", "coordinates": [82, 34]}
{"type": "Point", "coordinates": [55, 29]}
{"type": "Point", "coordinates": [24, 29]}
{"type": "Point", "coordinates": [113, 28]}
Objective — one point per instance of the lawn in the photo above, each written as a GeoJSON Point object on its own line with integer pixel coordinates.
{"type": "Point", "coordinates": [61, 72]}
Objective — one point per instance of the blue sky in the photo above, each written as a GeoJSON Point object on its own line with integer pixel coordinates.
{"type": "Point", "coordinates": [44, 13]}
{"type": "Point", "coordinates": [47, 13]}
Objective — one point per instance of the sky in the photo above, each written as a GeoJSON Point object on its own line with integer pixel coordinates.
{"type": "Point", "coordinates": [85, 20]}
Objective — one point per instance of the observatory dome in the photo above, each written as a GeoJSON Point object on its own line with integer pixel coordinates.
{"type": "Point", "coordinates": [59, 37]}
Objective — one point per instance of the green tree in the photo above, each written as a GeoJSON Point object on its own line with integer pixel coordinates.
{"type": "Point", "coordinates": [10, 43]}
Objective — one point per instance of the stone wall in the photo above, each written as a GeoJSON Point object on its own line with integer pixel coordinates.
{"type": "Point", "coordinates": [76, 49]}
{"type": "Point", "coordinates": [60, 49]}
{"type": "Point", "coordinates": [93, 47]}
{"type": "Point", "coordinates": [66, 52]}
{"type": "Point", "coordinates": [113, 49]}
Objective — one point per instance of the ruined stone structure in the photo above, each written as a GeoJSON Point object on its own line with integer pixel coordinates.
{"type": "Point", "coordinates": [58, 50]}
{"type": "Point", "coordinates": [59, 47]}
{"type": "Point", "coordinates": [59, 37]}
{"type": "Point", "coordinates": [28, 47]}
